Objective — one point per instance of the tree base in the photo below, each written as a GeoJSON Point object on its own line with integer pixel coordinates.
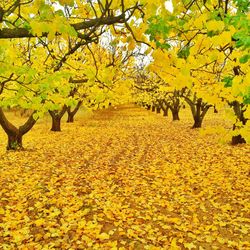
{"type": "Point", "coordinates": [56, 125]}
{"type": "Point", "coordinates": [14, 143]}
{"type": "Point", "coordinates": [175, 116]}
{"type": "Point", "coordinates": [238, 139]}
{"type": "Point", "coordinates": [70, 119]}
{"type": "Point", "coordinates": [197, 125]}
{"type": "Point", "coordinates": [56, 130]}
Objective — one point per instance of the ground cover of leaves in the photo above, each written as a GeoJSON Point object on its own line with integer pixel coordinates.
{"type": "Point", "coordinates": [125, 179]}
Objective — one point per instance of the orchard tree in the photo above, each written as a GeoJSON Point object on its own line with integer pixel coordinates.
{"type": "Point", "coordinates": [25, 83]}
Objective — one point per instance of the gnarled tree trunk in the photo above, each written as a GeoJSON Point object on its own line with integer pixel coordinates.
{"type": "Point", "coordinates": [164, 107]}
{"type": "Point", "coordinates": [175, 113]}
{"type": "Point", "coordinates": [15, 135]}
{"type": "Point", "coordinates": [158, 109]}
{"type": "Point", "coordinates": [199, 110]}
{"type": "Point", "coordinates": [72, 113]}
{"type": "Point", "coordinates": [197, 122]}
{"type": "Point", "coordinates": [165, 112]}
{"type": "Point", "coordinates": [70, 118]}
{"type": "Point", "coordinates": [175, 107]}
{"type": "Point", "coordinates": [239, 110]}
{"type": "Point", "coordinates": [15, 141]}
{"type": "Point", "coordinates": [56, 123]}
{"type": "Point", "coordinates": [56, 118]}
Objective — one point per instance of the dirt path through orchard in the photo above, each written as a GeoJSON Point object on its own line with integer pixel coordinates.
{"type": "Point", "coordinates": [125, 178]}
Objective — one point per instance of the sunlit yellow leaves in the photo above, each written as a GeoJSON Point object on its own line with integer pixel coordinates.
{"type": "Point", "coordinates": [209, 239]}
{"type": "Point", "coordinates": [131, 45]}
{"type": "Point", "coordinates": [215, 25]}
{"type": "Point", "coordinates": [200, 21]}
{"type": "Point", "coordinates": [37, 4]}
{"type": "Point", "coordinates": [214, 55]}
{"type": "Point", "coordinates": [221, 240]}
{"type": "Point", "coordinates": [190, 245]}
{"type": "Point", "coordinates": [178, 6]}
{"type": "Point", "coordinates": [225, 37]}
{"type": "Point", "coordinates": [39, 27]}
{"type": "Point", "coordinates": [59, 26]}
{"type": "Point", "coordinates": [222, 39]}
{"type": "Point", "coordinates": [211, 49]}
{"type": "Point", "coordinates": [103, 236]}
{"type": "Point", "coordinates": [244, 131]}
{"type": "Point", "coordinates": [39, 222]}
{"type": "Point", "coordinates": [173, 220]}
{"type": "Point", "coordinates": [20, 235]}
{"type": "Point", "coordinates": [66, 2]}
{"type": "Point", "coordinates": [1, 211]}
{"type": "Point", "coordinates": [161, 56]}
{"type": "Point", "coordinates": [173, 245]}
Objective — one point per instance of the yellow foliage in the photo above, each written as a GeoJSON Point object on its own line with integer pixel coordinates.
{"type": "Point", "coordinates": [174, 245]}
{"type": "Point", "coordinates": [215, 25]}
{"type": "Point", "coordinates": [103, 236]}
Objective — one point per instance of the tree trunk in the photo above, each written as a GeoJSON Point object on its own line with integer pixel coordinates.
{"type": "Point", "coordinates": [197, 121]}
{"type": "Point", "coordinates": [200, 114]}
{"type": "Point", "coordinates": [148, 107]}
{"type": "Point", "coordinates": [56, 118]}
{"type": "Point", "coordinates": [198, 109]}
{"type": "Point", "coordinates": [238, 139]}
{"type": "Point", "coordinates": [175, 114]}
{"type": "Point", "coordinates": [158, 110]}
{"type": "Point", "coordinates": [15, 141]}
{"type": "Point", "coordinates": [239, 110]}
{"type": "Point", "coordinates": [165, 112]}
{"type": "Point", "coordinates": [71, 114]}
{"type": "Point", "coordinates": [215, 110]}
{"type": "Point", "coordinates": [70, 118]}
{"type": "Point", "coordinates": [153, 108]}
{"type": "Point", "coordinates": [165, 108]}
{"type": "Point", "coordinates": [15, 134]}
{"type": "Point", "coordinates": [56, 124]}
{"type": "Point", "coordinates": [175, 106]}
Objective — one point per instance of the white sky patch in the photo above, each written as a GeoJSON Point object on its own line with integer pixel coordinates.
{"type": "Point", "coordinates": [169, 6]}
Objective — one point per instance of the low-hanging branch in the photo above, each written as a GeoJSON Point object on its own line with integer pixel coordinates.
{"type": "Point", "coordinates": [6, 33]}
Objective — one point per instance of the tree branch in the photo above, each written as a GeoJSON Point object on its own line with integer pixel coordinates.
{"type": "Point", "coordinates": [22, 32]}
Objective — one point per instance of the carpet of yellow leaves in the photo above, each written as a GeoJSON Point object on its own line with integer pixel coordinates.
{"type": "Point", "coordinates": [125, 179]}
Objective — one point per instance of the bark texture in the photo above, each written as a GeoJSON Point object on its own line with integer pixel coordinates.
{"type": "Point", "coordinates": [15, 135]}
{"type": "Point", "coordinates": [71, 113]}
{"type": "Point", "coordinates": [56, 116]}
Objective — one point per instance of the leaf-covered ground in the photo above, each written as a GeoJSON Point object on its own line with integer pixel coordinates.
{"type": "Point", "coordinates": [125, 179]}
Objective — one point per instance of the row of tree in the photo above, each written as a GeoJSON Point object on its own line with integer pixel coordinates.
{"type": "Point", "coordinates": [58, 55]}
{"type": "Point", "coordinates": [201, 57]}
